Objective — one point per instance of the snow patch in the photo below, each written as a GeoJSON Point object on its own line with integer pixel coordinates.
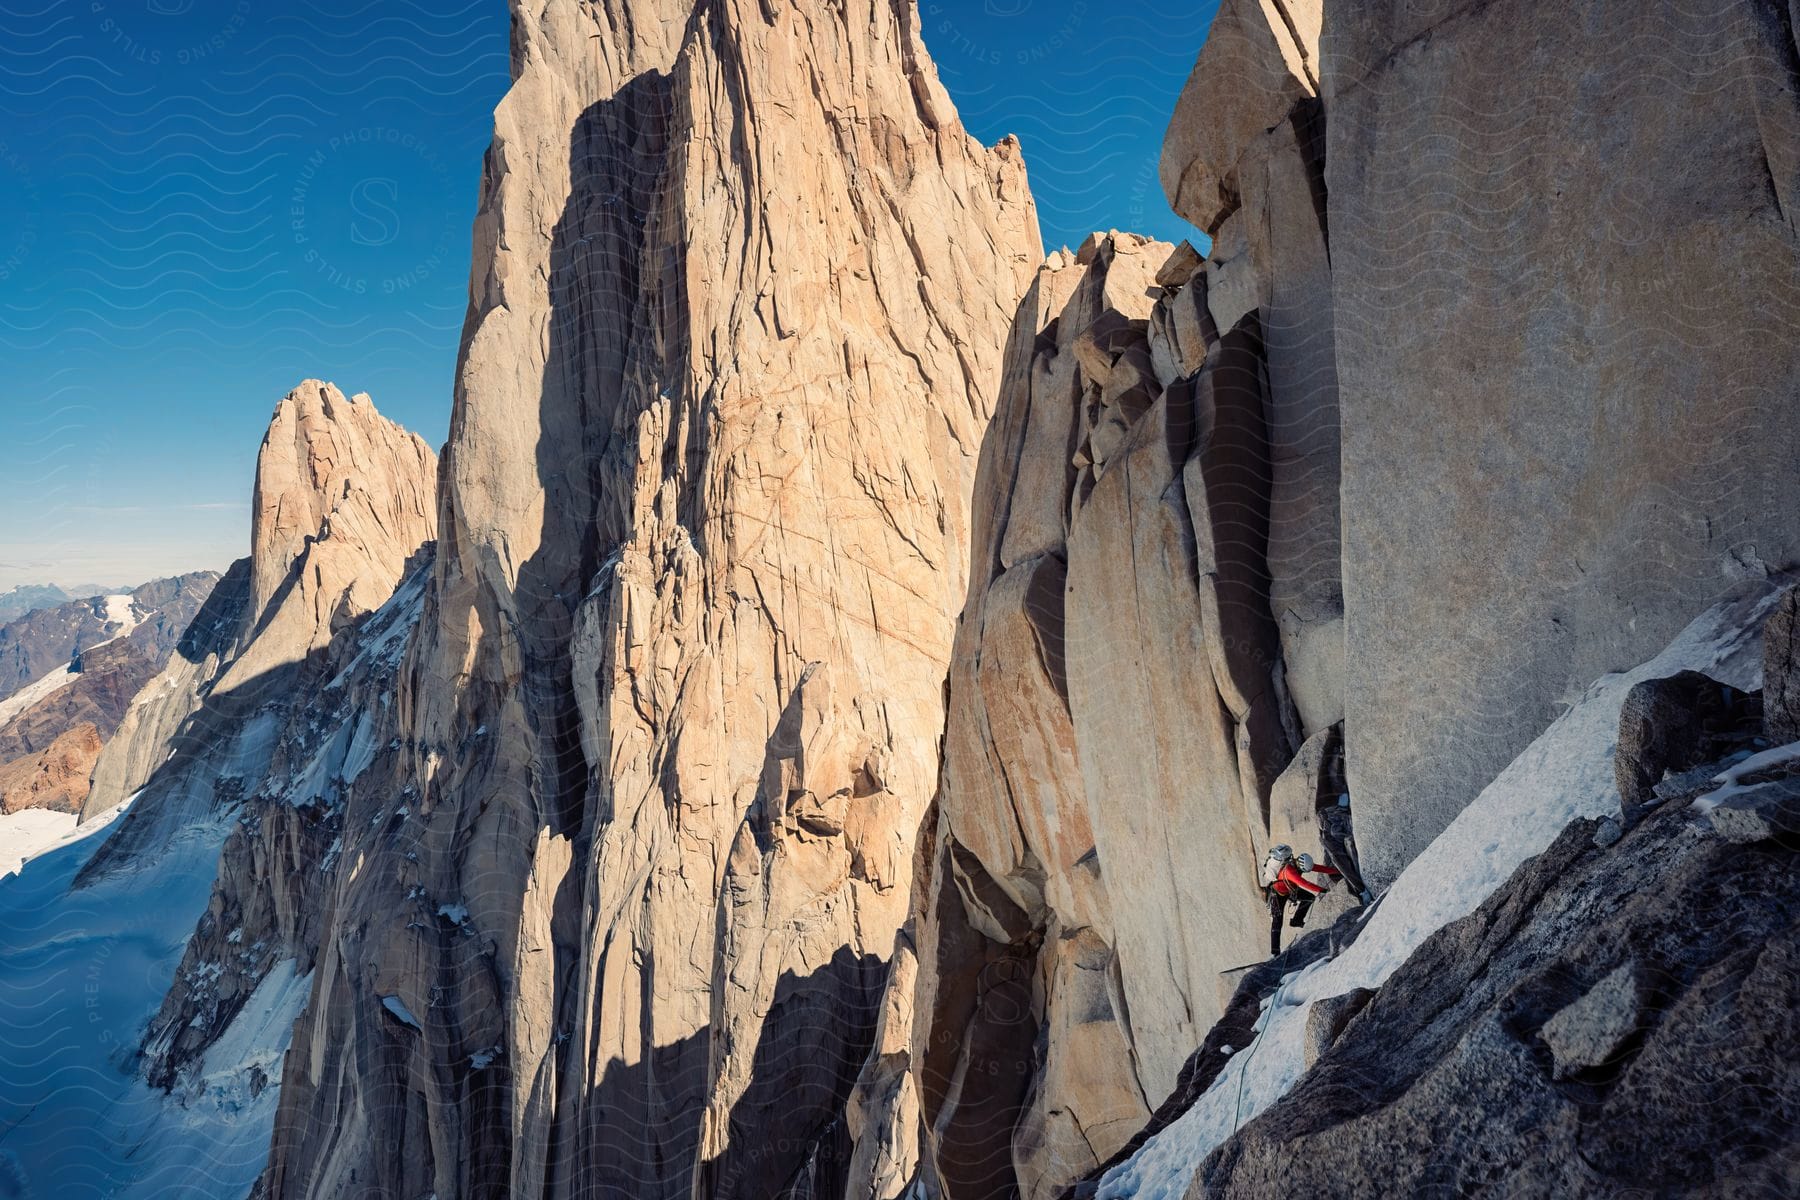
{"type": "Point", "coordinates": [401, 1013]}
{"type": "Point", "coordinates": [39, 689]}
{"type": "Point", "coordinates": [122, 611]}
{"type": "Point", "coordinates": [247, 1057]}
{"type": "Point", "coordinates": [1565, 774]}
{"type": "Point", "coordinates": [30, 832]}
{"type": "Point", "coordinates": [1733, 776]}
{"type": "Point", "coordinates": [385, 636]}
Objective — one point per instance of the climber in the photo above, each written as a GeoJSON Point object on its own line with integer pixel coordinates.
{"type": "Point", "coordinates": [1284, 879]}
{"type": "Point", "coordinates": [1331, 805]}
{"type": "Point", "coordinates": [1337, 836]}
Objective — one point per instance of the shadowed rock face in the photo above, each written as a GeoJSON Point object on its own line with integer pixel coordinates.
{"type": "Point", "coordinates": [1558, 444]}
{"type": "Point", "coordinates": [741, 284]}
{"type": "Point", "coordinates": [1118, 714]}
{"type": "Point", "coordinates": [1497, 346]}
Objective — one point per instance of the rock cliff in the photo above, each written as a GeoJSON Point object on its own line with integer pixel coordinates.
{"type": "Point", "coordinates": [1255, 523]}
{"type": "Point", "coordinates": [670, 723]}
{"type": "Point", "coordinates": [1114, 698]}
{"type": "Point", "coordinates": [1553, 449]}
{"type": "Point", "coordinates": [343, 504]}
{"type": "Point", "coordinates": [829, 748]}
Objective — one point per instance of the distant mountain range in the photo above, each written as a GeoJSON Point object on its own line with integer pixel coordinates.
{"type": "Point", "coordinates": [67, 673]}
{"type": "Point", "coordinates": [29, 597]}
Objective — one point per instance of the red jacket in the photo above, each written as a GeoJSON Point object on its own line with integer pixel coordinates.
{"type": "Point", "coordinates": [1291, 883]}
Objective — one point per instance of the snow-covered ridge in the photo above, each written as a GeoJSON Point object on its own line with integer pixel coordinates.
{"type": "Point", "coordinates": [1567, 773]}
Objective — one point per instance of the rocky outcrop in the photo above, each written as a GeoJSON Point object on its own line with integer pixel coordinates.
{"type": "Point", "coordinates": [1577, 1035]}
{"type": "Point", "coordinates": [56, 777]}
{"type": "Point", "coordinates": [237, 763]}
{"type": "Point", "coordinates": [1153, 630]}
{"type": "Point", "coordinates": [344, 497]}
{"type": "Point", "coordinates": [1244, 159]}
{"type": "Point", "coordinates": [1781, 670]}
{"type": "Point", "coordinates": [277, 630]}
{"type": "Point", "coordinates": [1095, 710]}
{"type": "Point", "coordinates": [1669, 725]}
{"type": "Point", "coordinates": [671, 720]}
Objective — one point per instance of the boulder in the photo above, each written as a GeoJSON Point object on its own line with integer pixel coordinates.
{"type": "Point", "coordinates": [1527, 1046]}
{"type": "Point", "coordinates": [1181, 265]}
{"type": "Point", "coordinates": [1668, 725]}
{"type": "Point", "coordinates": [1085, 1101]}
{"type": "Point", "coordinates": [1781, 670]}
{"type": "Point", "coordinates": [1760, 812]}
{"type": "Point", "coordinates": [1590, 1032]}
{"type": "Point", "coordinates": [1326, 1019]}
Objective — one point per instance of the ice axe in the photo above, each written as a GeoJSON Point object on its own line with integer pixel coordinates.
{"type": "Point", "coordinates": [1245, 967]}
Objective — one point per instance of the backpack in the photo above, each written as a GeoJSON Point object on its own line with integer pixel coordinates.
{"type": "Point", "coordinates": [1271, 869]}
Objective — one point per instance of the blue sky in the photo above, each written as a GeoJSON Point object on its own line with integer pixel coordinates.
{"type": "Point", "coordinates": [203, 202]}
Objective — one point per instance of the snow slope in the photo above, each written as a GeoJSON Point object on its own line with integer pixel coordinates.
{"type": "Point", "coordinates": [1565, 774]}
{"type": "Point", "coordinates": [81, 972]}
{"type": "Point", "coordinates": [30, 832]}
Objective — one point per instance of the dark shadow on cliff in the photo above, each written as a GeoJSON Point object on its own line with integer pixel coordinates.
{"type": "Point", "coordinates": [784, 1137]}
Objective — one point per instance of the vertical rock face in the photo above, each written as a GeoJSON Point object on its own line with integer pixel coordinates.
{"type": "Point", "coordinates": [1516, 329]}
{"type": "Point", "coordinates": [342, 504]}
{"type": "Point", "coordinates": [1244, 159]}
{"type": "Point", "coordinates": [1118, 714]}
{"type": "Point", "coordinates": [1566, 354]}
{"type": "Point", "coordinates": [741, 283]}
{"type": "Point", "coordinates": [344, 497]}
